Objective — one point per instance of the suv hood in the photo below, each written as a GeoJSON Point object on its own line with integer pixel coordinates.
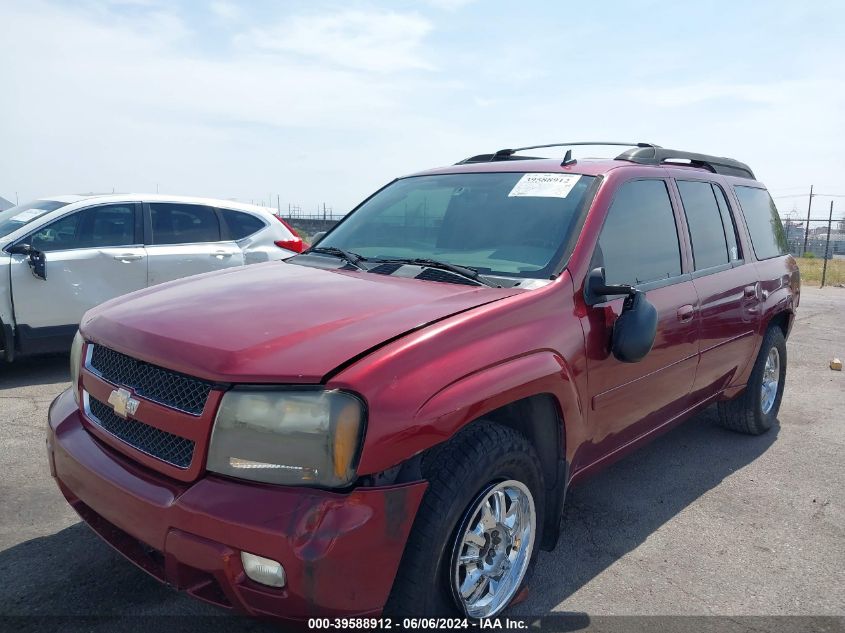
{"type": "Point", "coordinates": [273, 322]}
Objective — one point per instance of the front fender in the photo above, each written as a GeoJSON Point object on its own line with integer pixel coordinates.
{"type": "Point", "coordinates": [479, 393]}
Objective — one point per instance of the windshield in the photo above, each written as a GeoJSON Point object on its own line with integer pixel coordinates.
{"type": "Point", "coordinates": [507, 224]}
{"type": "Point", "coordinates": [14, 218]}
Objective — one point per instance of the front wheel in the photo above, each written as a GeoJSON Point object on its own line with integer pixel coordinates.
{"type": "Point", "coordinates": [494, 548]}
{"type": "Point", "coordinates": [476, 535]}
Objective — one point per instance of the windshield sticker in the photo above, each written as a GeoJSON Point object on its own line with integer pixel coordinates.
{"type": "Point", "coordinates": [29, 214]}
{"type": "Point", "coordinates": [544, 185]}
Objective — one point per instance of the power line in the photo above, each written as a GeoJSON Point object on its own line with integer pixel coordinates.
{"type": "Point", "coordinates": [815, 195]}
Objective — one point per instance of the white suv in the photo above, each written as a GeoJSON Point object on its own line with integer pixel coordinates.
{"type": "Point", "coordinates": [63, 255]}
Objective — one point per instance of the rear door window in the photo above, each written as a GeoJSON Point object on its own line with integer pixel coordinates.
{"type": "Point", "coordinates": [183, 223]}
{"type": "Point", "coordinates": [639, 240]}
{"type": "Point", "coordinates": [763, 221]}
{"type": "Point", "coordinates": [734, 249]}
{"type": "Point", "coordinates": [706, 227]}
{"type": "Point", "coordinates": [241, 225]}
{"type": "Point", "coordinates": [96, 227]}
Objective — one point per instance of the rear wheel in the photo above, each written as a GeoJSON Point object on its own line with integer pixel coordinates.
{"type": "Point", "coordinates": [755, 410]}
{"type": "Point", "coordinates": [476, 534]}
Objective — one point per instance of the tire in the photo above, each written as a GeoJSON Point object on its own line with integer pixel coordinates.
{"type": "Point", "coordinates": [752, 412]}
{"type": "Point", "coordinates": [481, 460]}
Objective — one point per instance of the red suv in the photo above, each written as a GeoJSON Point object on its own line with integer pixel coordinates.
{"type": "Point", "coordinates": [389, 422]}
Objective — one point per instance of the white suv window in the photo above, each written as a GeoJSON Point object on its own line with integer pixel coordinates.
{"type": "Point", "coordinates": [241, 225]}
{"type": "Point", "coordinates": [96, 227]}
{"type": "Point", "coordinates": [183, 223]}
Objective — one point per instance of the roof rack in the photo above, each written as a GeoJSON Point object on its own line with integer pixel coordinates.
{"type": "Point", "coordinates": [508, 154]}
{"type": "Point", "coordinates": [656, 155]}
{"type": "Point", "coordinates": [641, 153]}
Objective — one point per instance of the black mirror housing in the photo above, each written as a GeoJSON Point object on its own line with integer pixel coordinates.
{"type": "Point", "coordinates": [38, 264]}
{"type": "Point", "coordinates": [37, 259]}
{"type": "Point", "coordinates": [596, 289]}
{"type": "Point", "coordinates": [19, 249]}
{"type": "Point", "coordinates": [635, 329]}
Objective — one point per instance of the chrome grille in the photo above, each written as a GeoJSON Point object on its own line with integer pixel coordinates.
{"type": "Point", "coordinates": [175, 450]}
{"type": "Point", "coordinates": [160, 385]}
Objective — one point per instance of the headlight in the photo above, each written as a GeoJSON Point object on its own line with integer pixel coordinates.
{"type": "Point", "coordinates": [287, 436]}
{"type": "Point", "coordinates": [76, 363]}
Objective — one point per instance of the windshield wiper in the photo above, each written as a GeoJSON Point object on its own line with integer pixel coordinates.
{"type": "Point", "coordinates": [463, 271]}
{"type": "Point", "coordinates": [353, 259]}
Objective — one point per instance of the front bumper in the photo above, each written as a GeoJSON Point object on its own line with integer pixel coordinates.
{"type": "Point", "coordinates": [340, 551]}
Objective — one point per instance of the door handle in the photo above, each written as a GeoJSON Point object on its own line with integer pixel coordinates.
{"type": "Point", "coordinates": [686, 313]}
{"type": "Point", "coordinates": [128, 257]}
{"type": "Point", "coordinates": [221, 254]}
{"type": "Point", "coordinates": [750, 292]}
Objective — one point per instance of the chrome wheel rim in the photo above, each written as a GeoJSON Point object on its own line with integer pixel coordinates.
{"type": "Point", "coordinates": [771, 379]}
{"type": "Point", "coordinates": [494, 549]}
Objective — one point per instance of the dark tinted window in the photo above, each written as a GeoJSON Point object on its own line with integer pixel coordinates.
{"type": "Point", "coordinates": [764, 225]}
{"type": "Point", "coordinates": [97, 227]}
{"type": "Point", "coordinates": [639, 241]}
{"type": "Point", "coordinates": [707, 233]}
{"type": "Point", "coordinates": [734, 250]}
{"type": "Point", "coordinates": [241, 225]}
{"type": "Point", "coordinates": [183, 223]}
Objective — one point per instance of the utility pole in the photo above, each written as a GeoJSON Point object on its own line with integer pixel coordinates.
{"type": "Point", "coordinates": [807, 228]}
{"type": "Point", "coordinates": [827, 243]}
{"type": "Point", "coordinates": [278, 205]}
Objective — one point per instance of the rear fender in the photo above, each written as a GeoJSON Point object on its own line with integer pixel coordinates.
{"type": "Point", "coordinates": [779, 297]}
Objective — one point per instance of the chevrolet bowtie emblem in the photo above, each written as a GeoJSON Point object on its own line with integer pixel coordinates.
{"type": "Point", "coordinates": [123, 402]}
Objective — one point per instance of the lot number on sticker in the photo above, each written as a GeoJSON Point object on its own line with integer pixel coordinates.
{"type": "Point", "coordinates": [544, 185]}
{"type": "Point", "coordinates": [29, 214]}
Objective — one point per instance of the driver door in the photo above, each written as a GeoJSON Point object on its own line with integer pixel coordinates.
{"type": "Point", "coordinates": [639, 246]}
{"type": "Point", "coordinates": [92, 255]}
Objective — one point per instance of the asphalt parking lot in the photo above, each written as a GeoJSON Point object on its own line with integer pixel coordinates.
{"type": "Point", "coordinates": [701, 522]}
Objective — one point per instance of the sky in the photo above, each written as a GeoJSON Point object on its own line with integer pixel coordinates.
{"type": "Point", "coordinates": [325, 101]}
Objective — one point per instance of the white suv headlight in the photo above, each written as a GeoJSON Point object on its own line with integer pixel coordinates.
{"type": "Point", "coordinates": [287, 436]}
{"type": "Point", "coordinates": [76, 363]}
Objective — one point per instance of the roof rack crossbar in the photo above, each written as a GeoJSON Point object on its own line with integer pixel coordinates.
{"type": "Point", "coordinates": [658, 156]}
{"type": "Point", "coordinates": [508, 154]}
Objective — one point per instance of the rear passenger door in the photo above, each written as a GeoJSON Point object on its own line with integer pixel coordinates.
{"type": "Point", "coordinates": [639, 245]}
{"type": "Point", "coordinates": [184, 240]}
{"type": "Point", "coordinates": [726, 283]}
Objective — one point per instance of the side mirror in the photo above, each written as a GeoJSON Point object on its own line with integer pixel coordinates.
{"type": "Point", "coordinates": [636, 328]}
{"type": "Point", "coordinates": [20, 249]}
{"type": "Point", "coordinates": [38, 263]}
{"type": "Point", "coordinates": [37, 259]}
{"type": "Point", "coordinates": [317, 237]}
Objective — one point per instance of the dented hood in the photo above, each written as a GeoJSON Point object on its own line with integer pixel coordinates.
{"type": "Point", "coordinates": [275, 322]}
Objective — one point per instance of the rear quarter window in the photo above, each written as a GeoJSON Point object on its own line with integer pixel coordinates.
{"type": "Point", "coordinates": [763, 221]}
{"type": "Point", "coordinates": [241, 225]}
